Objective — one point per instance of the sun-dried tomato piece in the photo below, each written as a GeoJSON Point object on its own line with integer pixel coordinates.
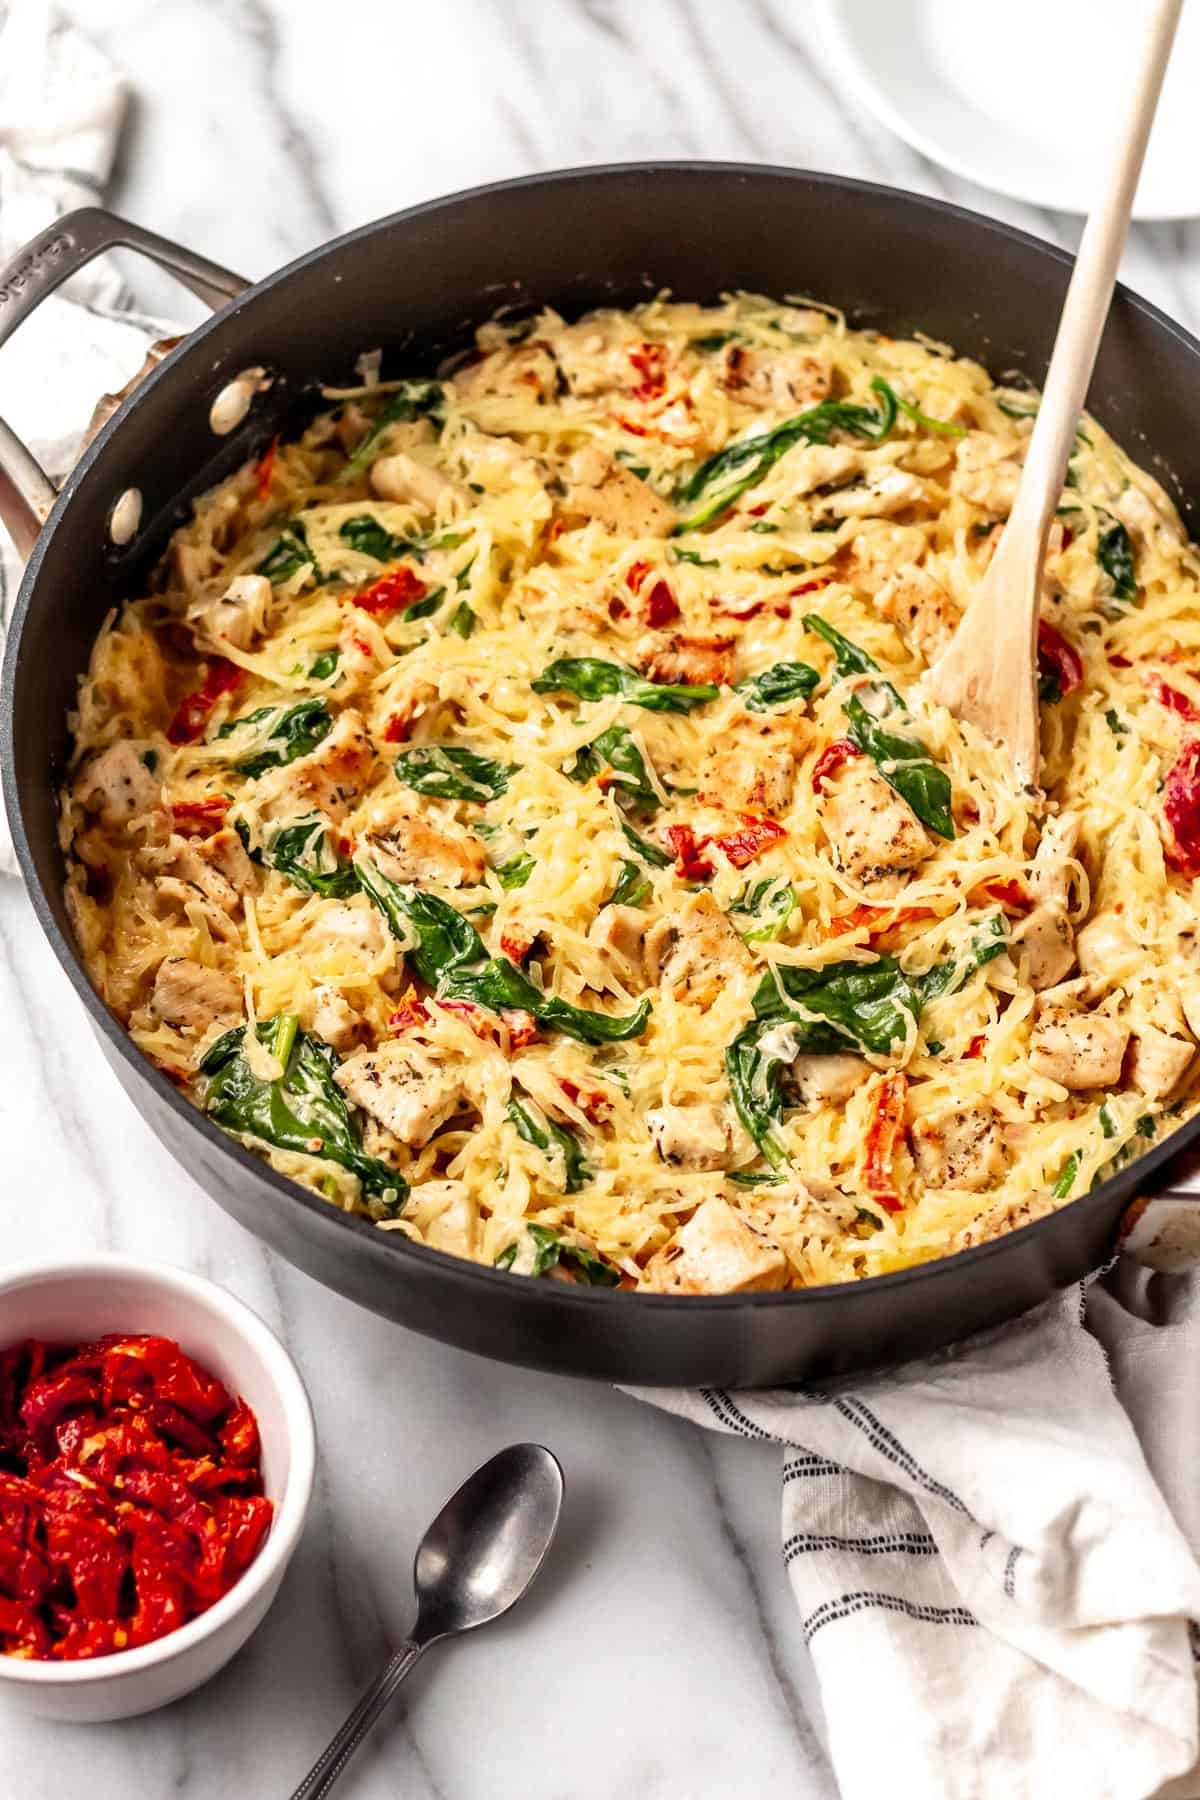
{"type": "Point", "coordinates": [756, 835]}
{"type": "Point", "coordinates": [199, 818]}
{"type": "Point", "coordinates": [1181, 810]}
{"type": "Point", "coordinates": [883, 1132]}
{"type": "Point", "coordinates": [690, 865]}
{"type": "Point", "coordinates": [391, 593]}
{"type": "Point", "coordinates": [193, 713]}
{"type": "Point", "coordinates": [1059, 661]}
{"type": "Point", "coordinates": [831, 760]}
{"type": "Point", "coordinates": [591, 1103]}
{"type": "Point", "coordinates": [238, 1437]}
{"type": "Point", "coordinates": [1174, 700]}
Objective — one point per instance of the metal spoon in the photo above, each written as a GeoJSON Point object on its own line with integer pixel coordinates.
{"type": "Point", "coordinates": [475, 1561]}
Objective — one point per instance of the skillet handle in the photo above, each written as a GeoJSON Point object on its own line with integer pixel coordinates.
{"type": "Point", "coordinates": [49, 259]}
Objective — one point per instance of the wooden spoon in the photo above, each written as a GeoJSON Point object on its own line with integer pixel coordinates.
{"type": "Point", "coordinates": [988, 671]}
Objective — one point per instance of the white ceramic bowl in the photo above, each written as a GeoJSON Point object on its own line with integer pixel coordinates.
{"type": "Point", "coordinates": [73, 1302]}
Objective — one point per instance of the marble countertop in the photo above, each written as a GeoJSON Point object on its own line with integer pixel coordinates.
{"type": "Point", "coordinates": [660, 1654]}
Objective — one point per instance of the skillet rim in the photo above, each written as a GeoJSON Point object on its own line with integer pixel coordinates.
{"type": "Point", "coordinates": [383, 1246]}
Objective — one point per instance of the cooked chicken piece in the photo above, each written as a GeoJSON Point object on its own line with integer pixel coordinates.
{"type": "Point", "coordinates": [1106, 950]}
{"type": "Point", "coordinates": [401, 477]}
{"type": "Point", "coordinates": [1047, 942]}
{"type": "Point", "coordinates": [922, 609]}
{"type": "Point", "coordinates": [239, 616]}
{"type": "Point", "coordinates": [1157, 1061]}
{"type": "Point", "coordinates": [1189, 1006]}
{"type": "Point", "coordinates": [599, 488]}
{"type": "Point", "coordinates": [521, 370]}
{"type": "Point", "coordinates": [872, 831]}
{"type": "Point", "coordinates": [716, 1252]}
{"type": "Point", "coordinates": [193, 997]}
{"type": "Point", "coordinates": [184, 872]}
{"type": "Point", "coordinates": [348, 925]}
{"type": "Point", "coordinates": [446, 1215]}
{"type": "Point", "coordinates": [998, 1220]}
{"type": "Point", "coordinates": [690, 1137]}
{"type": "Point", "coordinates": [594, 356]}
{"type": "Point", "coordinates": [883, 491]}
{"type": "Point", "coordinates": [405, 1088]}
{"type": "Point", "coordinates": [117, 786]}
{"type": "Point", "coordinates": [782, 379]}
{"type": "Point", "coordinates": [333, 1018]}
{"type": "Point", "coordinates": [962, 1149]}
{"type": "Point", "coordinates": [1076, 1048]}
{"type": "Point", "coordinates": [1049, 876]}
{"type": "Point", "coordinates": [329, 779]}
{"type": "Point", "coordinates": [226, 853]}
{"type": "Point", "coordinates": [986, 472]}
{"type": "Point", "coordinates": [695, 951]}
{"type": "Point", "coordinates": [824, 1080]}
{"type": "Point", "coordinates": [748, 776]}
{"type": "Point", "coordinates": [620, 932]}
{"type": "Point", "coordinates": [881, 552]}
{"type": "Point", "coordinates": [671, 656]}
{"type": "Point", "coordinates": [414, 849]}
{"type": "Point", "coordinates": [812, 466]}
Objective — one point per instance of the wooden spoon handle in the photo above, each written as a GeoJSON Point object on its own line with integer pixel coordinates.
{"type": "Point", "coordinates": [988, 672]}
{"type": "Point", "coordinates": [1090, 293]}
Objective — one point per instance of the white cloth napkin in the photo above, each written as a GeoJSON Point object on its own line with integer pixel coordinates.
{"type": "Point", "coordinates": [992, 1552]}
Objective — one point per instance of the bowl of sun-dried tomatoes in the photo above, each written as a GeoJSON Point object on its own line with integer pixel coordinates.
{"type": "Point", "coordinates": [156, 1464]}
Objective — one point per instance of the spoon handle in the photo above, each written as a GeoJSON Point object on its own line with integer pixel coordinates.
{"type": "Point", "coordinates": [332, 1761]}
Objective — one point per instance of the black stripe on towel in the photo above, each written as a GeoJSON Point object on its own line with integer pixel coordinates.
{"type": "Point", "coordinates": [903, 1543]}
{"type": "Point", "coordinates": [833, 1610]}
{"type": "Point", "coordinates": [800, 1468]}
{"type": "Point", "coordinates": [878, 1434]}
{"type": "Point", "coordinates": [723, 1409]}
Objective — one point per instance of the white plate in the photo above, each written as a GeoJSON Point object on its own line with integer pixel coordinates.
{"type": "Point", "coordinates": [1020, 97]}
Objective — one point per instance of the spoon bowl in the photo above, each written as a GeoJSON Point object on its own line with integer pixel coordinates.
{"type": "Point", "coordinates": [487, 1543]}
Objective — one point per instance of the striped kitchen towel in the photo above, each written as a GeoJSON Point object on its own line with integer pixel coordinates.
{"type": "Point", "coordinates": [993, 1552]}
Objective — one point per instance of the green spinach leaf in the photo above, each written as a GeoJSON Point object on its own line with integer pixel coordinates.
{"type": "Point", "coordinates": [615, 752]}
{"type": "Point", "coordinates": [462, 620]}
{"type": "Point", "coordinates": [450, 957]}
{"type": "Point", "coordinates": [289, 553]}
{"type": "Point", "coordinates": [592, 678]}
{"type": "Point", "coordinates": [725, 477]}
{"type": "Point", "coordinates": [649, 853]}
{"type": "Point", "coordinates": [516, 872]}
{"type": "Point", "coordinates": [304, 851]}
{"type": "Point", "coordinates": [903, 761]}
{"type": "Point", "coordinates": [1114, 553]}
{"type": "Point", "coordinates": [771, 900]}
{"type": "Point", "coordinates": [271, 736]}
{"type": "Point", "coordinates": [302, 1108]}
{"type": "Point", "coordinates": [451, 772]}
{"type": "Point", "coordinates": [533, 1125]}
{"type": "Point", "coordinates": [549, 1251]}
{"type": "Point", "coordinates": [324, 665]}
{"type": "Point", "coordinates": [633, 886]}
{"type": "Point", "coordinates": [783, 684]}
{"type": "Point", "coordinates": [365, 534]}
{"type": "Point", "coordinates": [411, 400]}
